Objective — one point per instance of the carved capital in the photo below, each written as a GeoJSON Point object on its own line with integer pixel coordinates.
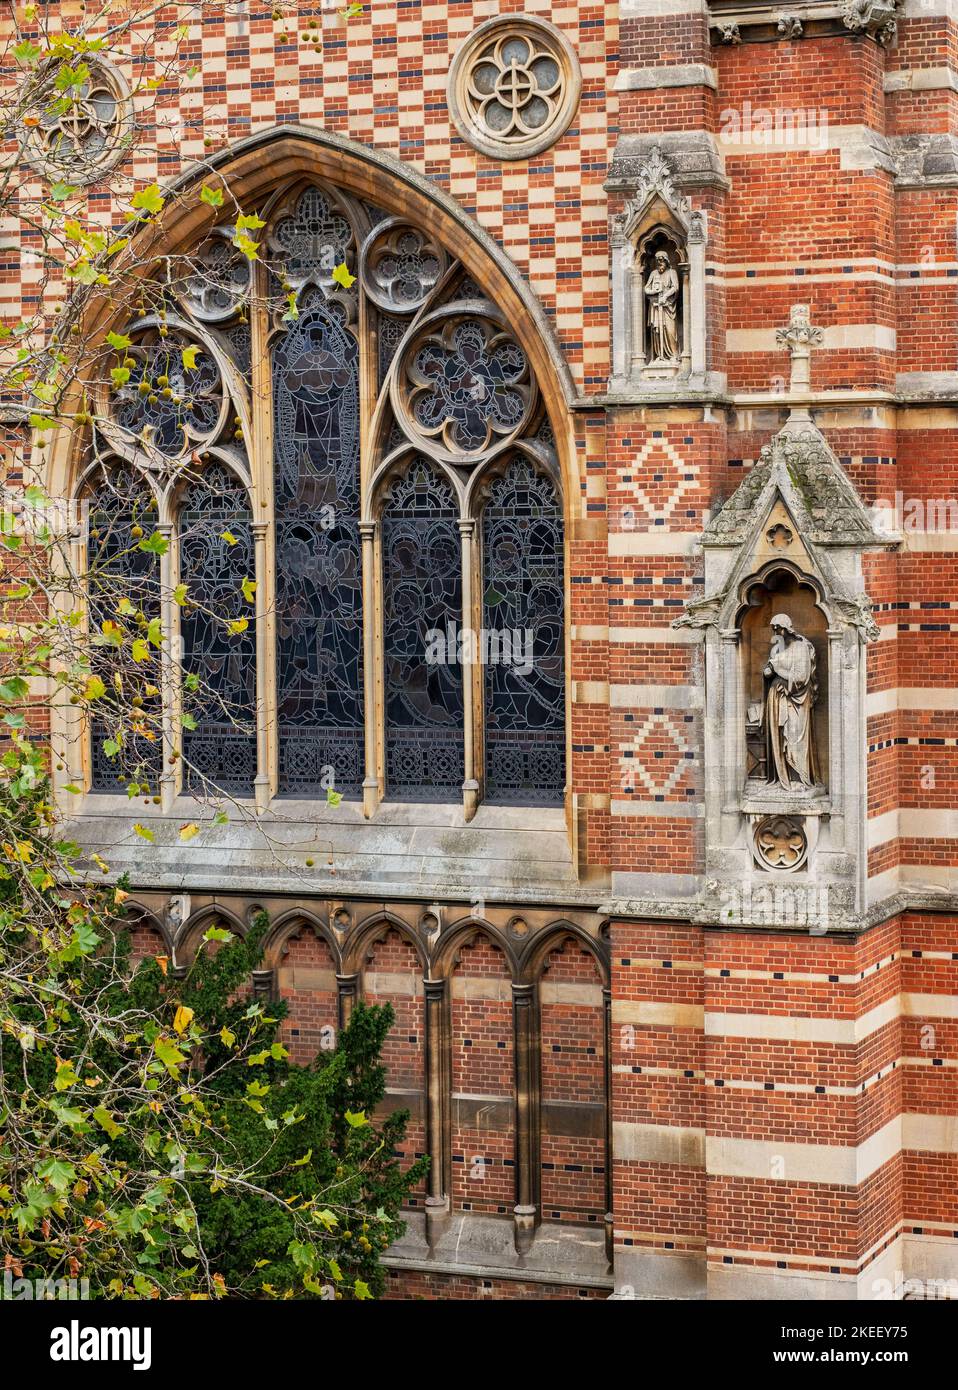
{"type": "Point", "coordinates": [800, 331]}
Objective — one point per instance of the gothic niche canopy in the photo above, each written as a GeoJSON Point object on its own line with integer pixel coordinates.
{"type": "Point", "coordinates": [785, 620]}
{"type": "Point", "coordinates": [658, 285]}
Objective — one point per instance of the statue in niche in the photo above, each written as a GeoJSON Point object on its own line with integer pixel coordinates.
{"type": "Point", "coordinates": [790, 694]}
{"type": "Point", "coordinates": [661, 297]}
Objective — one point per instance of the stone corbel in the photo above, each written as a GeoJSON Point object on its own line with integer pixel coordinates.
{"type": "Point", "coordinates": [876, 18]}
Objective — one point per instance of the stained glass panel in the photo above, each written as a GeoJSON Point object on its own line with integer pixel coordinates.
{"type": "Point", "coordinates": [122, 512]}
{"type": "Point", "coordinates": [422, 576]}
{"type": "Point", "coordinates": [216, 555]}
{"type": "Point", "coordinates": [523, 634]}
{"type": "Point", "coordinates": [318, 555]}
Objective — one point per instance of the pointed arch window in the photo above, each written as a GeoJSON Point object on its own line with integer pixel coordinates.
{"type": "Point", "coordinates": [215, 541]}
{"type": "Point", "coordinates": [422, 580]}
{"type": "Point", "coordinates": [346, 445]}
{"type": "Point", "coordinates": [318, 557]}
{"type": "Point", "coordinates": [522, 608]}
{"type": "Point", "coordinates": [122, 509]}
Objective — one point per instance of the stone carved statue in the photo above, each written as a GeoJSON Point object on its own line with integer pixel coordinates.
{"type": "Point", "coordinates": [661, 297]}
{"type": "Point", "coordinates": [790, 694]}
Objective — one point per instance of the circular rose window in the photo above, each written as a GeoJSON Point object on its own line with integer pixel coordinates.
{"type": "Point", "coordinates": [514, 87]}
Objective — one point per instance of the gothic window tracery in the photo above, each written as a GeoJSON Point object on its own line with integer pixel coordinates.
{"type": "Point", "coordinates": [332, 408]}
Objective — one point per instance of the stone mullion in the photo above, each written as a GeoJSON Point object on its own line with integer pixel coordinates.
{"type": "Point", "coordinates": [371, 711]}
{"type": "Point", "coordinates": [607, 1138]}
{"type": "Point", "coordinates": [347, 990]}
{"type": "Point", "coordinates": [171, 665]}
{"type": "Point", "coordinates": [438, 1105]}
{"type": "Point", "coordinates": [525, 1005]}
{"type": "Point", "coordinates": [469, 659]}
{"type": "Point", "coordinates": [264, 532]}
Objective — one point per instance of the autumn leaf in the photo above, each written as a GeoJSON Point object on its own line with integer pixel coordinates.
{"type": "Point", "coordinates": [189, 356]}
{"type": "Point", "coordinates": [228, 537]}
{"type": "Point", "coordinates": [143, 833]}
{"type": "Point", "coordinates": [94, 688]}
{"type": "Point", "coordinates": [182, 1019]}
{"type": "Point", "coordinates": [341, 276]}
{"type": "Point", "coordinates": [249, 589]}
{"type": "Point", "coordinates": [188, 831]}
{"type": "Point", "coordinates": [238, 625]}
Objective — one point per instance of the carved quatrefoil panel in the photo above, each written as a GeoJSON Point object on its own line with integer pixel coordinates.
{"type": "Point", "coordinates": [780, 843]}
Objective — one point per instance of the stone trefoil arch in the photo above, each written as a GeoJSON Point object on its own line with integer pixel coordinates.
{"type": "Point", "coordinates": [391, 320]}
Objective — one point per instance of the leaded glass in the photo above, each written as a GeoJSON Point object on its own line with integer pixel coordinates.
{"type": "Point", "coordinates": [122, 512]}
{"type": "Point", "coordinates": [216, 555]}
{"type": "Point", "coordinates": [391, 332]}
{"type": "Point", "coordinates": [313, 241]}
{"type": "Point", "coordinates": [422, 576]}
{"type": "Point", "coordinates": [523, 631]}
{"type": "Point", "coordinates": [318, 555]}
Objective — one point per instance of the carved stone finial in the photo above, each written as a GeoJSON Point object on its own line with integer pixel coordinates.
{"type": "Point", "coordinates": [800, 337]}
{"type": "Point", "coordinates": [729, 33]}
{"type": "Point", "coordinates": [790, 25]}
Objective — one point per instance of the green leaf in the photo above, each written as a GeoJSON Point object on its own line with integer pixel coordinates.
{"type": "Point", "coordinates": [213, 197]}
{"type": "Point", "coordinates": [144, 834]}
{"type": "Point", "coordinates": [27, 53]}
{"type": "Point", "coordinates": [106, 1122]}
{"type": "Point", "coordinates": [149, 199]}
{"type": "Point", "coordinates": [169, 1054]}
{"type": "Point", "coordinates": [60, 192]}
{"type": "Point", "coordinates": [57, 1173]}
{"type": "Point", "coordinates": [333, 798]}
{"type": "Point", "coordinates": [356, 1119]}
{"type": "Point", "coordinates": [157, 544]}
{"type": "Point", "coordinates": [118, 340]}
{"type": "Point", "coordinates": [217, 934]}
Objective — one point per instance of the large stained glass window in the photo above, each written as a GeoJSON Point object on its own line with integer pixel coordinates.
{"type": "Point", "coordinates": [522, 603]}
{"type": "Point", "coordinates": [353, 351]}
{"type": "Point", "coordinates": [422, 581]}
{"type": "Point", "coordinates": [318, 554]}
{"type": "Point", "coordinates": [216, 557]}
{"type": "Point", "coordinates": [126, 734]}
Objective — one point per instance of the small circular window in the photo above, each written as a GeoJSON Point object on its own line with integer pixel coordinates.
{"type": "Point", "coordinates": [514, 87]}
